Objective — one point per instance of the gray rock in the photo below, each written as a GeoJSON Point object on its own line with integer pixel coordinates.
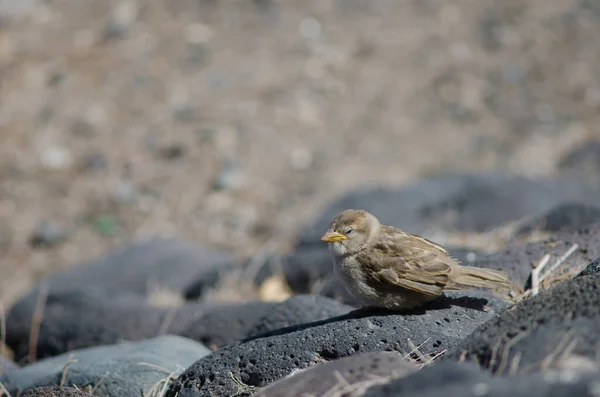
{"type": "Point", "coordinates": [564, 217]}
{"type": "Point", "coordinates": [342, 376]}
{"type": "Point", "coordinates": [165, 263]}
{"type": "Point", "coordinates": [464, 380]}
{"type": "Point", "coordinates": [592, 268]}
{"type": "Point", "coordinates": [539, 331]}
{"type": "Point", "coordinates": [56, 391]}
{"type": "Point", "coordinates": [458, 203]}
{"type": "Point", "coordinates": [518, 260]}
{"type": "Point", "coordinates": [47, 234]}
{"type": "Point", "coordinates": [253, 363]}
{"type": "Point", "coordinates": [92, 317]}
{"type": "Point", "coordinates": [583, 160]}
{"type": "Point", "coordinates": [298, 310]}
{"type": "Point", "coordinates": [125, 369]}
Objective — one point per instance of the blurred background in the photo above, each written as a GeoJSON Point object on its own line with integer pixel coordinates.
{"type": "Point", "coordinates": [233, 123]}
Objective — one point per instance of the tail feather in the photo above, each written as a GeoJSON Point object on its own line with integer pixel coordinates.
{"type": "Point", "coordinates": [469, 277]}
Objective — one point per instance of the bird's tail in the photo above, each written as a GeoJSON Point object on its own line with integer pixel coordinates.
{"type": "Point", "coordinates": [469, 277]}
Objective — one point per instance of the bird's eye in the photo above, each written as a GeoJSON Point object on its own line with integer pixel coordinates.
{"type": "Point", "coordinates": [349, 230]}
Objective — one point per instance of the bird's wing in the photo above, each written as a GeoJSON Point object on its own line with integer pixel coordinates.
{"type": "Point", "coordinates": [412, 262]}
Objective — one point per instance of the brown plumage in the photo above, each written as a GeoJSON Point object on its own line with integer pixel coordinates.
{"type": "Point", "coordinates": [386, 267]}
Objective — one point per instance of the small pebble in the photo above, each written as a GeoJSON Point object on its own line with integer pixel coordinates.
{"type": "Point", "coordinates": [125, 192]}
{"type": "Point", "coordinates": [310, 28]}
{"type": "Point", "coordinates": [56, 158]}
{"type": "Point", "coordinates": [47, 234]}
{"type": "Point", "coordinates": [95, 162]}
{"type": "Point", "coordinates": [231, 177]}
{"type": "Point", "coordinates": [172, 152]}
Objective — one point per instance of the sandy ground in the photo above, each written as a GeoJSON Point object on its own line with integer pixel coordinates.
{"type": "Point", "coordinates": [232, 123]}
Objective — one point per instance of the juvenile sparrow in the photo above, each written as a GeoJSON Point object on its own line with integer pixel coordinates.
{"type": "Point", "coordinates": [382, 266]}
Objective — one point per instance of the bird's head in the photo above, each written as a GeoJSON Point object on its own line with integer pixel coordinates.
{"type": "Point", "coordinates": [351, 231]}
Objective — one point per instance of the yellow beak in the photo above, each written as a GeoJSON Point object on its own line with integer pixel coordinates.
{"type": "Point", "coordinates": [333, 237]}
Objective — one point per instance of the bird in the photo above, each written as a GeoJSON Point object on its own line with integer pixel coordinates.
{"type": "Point", "coordinates": [385, 267]}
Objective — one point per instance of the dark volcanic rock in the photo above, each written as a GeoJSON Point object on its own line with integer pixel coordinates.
{"type": "Point", "coordinates": [298, 310]}
{"type": "Point", "coordinates": [539, 331]}
{"type": "Point", "coordinates": [78, 319]}
{"type": "Point", "coordinates": [435, 377]}
{"type": "Point", "coordinates": [457, 203]}
{"type": "Point", "coordinates": [518, 260]}
{"type": "Point", "coordinates": [124, 369]}
{"type": "Point", "coordinates": [242, 367]}
{"type": "Point", "coordinates": [137, 268]}
{"type": "Point", "coordinates": [584, 160]}
{"type": "Point", "coordinates": [592, 268]}
{"type": "Point", "coordinates": [56, 391]}
{"type": "Point", "coordinates": [568, 216]}
{"type": "Point", "coordinates": [464, 380]}
{"type": "Point", "coordinates": [341, 375]}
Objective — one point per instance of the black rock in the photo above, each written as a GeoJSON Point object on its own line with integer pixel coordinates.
{"type": "Point", "coordinates": [341, 376]}
{"type": "Point", "coordinates": [435, 377]}
{"type": "Point", "coordinates": [141, 267]}
{"type": "Point", "coordinates": [298, 310]}
{"type": "Point", "coordinates": [92, 317]}
{"type": "Point", "coordinates": [241, 368]}
{"type": "Point", "coordinates": [464, 380]}
{"type": "Point", "coordinates": [518, 260]}
{"type": "Point", "coordinates": [592, 268]}
{"type": "Point", "coordinates": [584, 160]}
{"type": "Point", "coordinates": [457, 203]}
{"type": "Point", "coordinates": [95, 162]}
{"type": "Point", "coordinates": [172, 152]}
{"type": "Point", "coordinates": [56, 391]}
{"type": "Point", "coordinates": [539, 331]}
{"type": "Point", "coordinates": [564, 217]}
{"type": "Point", "coordinates": [47, 234]}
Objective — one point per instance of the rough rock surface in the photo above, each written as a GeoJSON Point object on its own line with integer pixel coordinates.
{"type": "Point", "coordinates": [297, 310]}
{"type": "Point", "coordinates": [518, 260]}
{"type": "Point", "coordinates": [55, 391]}
{"type": "Point", "coordinates": [463, 380]}
{"type": "Point", "coordinates": [92, 317]}
{"type": "Point", "coordinates": [539, 331]}
{"type": "Point", "coordinates": [342, 376]}
{"type": "Point", "coordinates": [458, 202]}
{"type": "Point", "coordinates": [140, 267]}
{"type": "Point", "coordinates": [568, 216]}
{"type": "Point", "coordinates": [256, 362]}
{"type": "Point", "coordinates": [583, 160]}
{"type": "Point", "coordinates": [125, 369]}
{"type": "Point", "coordinates": [79, 319]}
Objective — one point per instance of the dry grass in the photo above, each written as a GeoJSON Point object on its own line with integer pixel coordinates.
{"type": "Point", "coordinates": [36, 322]}
{"type": "Point", "coordinates": [541, 280]}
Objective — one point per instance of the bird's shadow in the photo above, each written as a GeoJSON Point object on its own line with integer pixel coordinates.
{"type": "Point", "coordinates": [442, 303]}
